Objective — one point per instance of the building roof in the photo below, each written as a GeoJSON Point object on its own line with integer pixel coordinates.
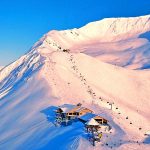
{"type": "Point", "coordinates": [67, 107]}
{"type": "Point", "coordinates": [81, 108]}
{"type": "Point", "coordinates": [92, 122]}
{"type": "Point", "coordinates": [87, 116]}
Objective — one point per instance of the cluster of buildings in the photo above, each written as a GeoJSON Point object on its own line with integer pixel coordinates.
{"type": "Point", "coordinates": [69, 112]}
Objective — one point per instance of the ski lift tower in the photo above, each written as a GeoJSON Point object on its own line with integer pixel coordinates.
{"type": "Point", "coordinates": [111, 105]}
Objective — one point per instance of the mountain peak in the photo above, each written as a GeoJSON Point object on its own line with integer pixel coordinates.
{"type": "Point", "coordinates": [113, 27]}
{"type": "Point", "coordinates": [105, 30]}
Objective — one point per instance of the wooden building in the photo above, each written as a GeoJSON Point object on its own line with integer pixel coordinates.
{"type": "Point", "coordinates": [70, 111]}
{"type": "Point", "coordinates": [82, 111]}
{"type": "Point", "coordinates": [100, 120]}
{"type": "Point", "coordinates": [85, 118]}
{"type": "Point", "coordinates": [92, 125]}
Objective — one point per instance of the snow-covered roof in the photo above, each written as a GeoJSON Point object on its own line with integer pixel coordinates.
{"type": "Point", "coordinates": [80, 109]}
{"type": "Point", "coordinates": [92, 122]}
{"type": "Point", "coordinates": [67, 107]}
{"type": "Point", "coordinates": [87, 116]}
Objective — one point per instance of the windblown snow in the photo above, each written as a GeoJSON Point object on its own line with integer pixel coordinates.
{"type": "Point", "coordinates": [108, 62]}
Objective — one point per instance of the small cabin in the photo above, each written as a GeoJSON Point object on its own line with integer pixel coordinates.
{"type": "Point", "coordinates": [92, 125]}
{"type": "Point", "coordinates": [100, 120]}
{"type": "Point", "coordinates": [85, 118]}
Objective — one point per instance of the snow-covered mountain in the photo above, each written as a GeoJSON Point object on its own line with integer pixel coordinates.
{"type": "Point", "coordinates": [119, 41]}
{"type": "Point", "coordinates": [99, 58]}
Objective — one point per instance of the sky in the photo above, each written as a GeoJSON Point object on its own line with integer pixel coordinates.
{"type": "Point", "coordinates": [23, 22]}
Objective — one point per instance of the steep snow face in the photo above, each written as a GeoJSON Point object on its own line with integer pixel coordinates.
{"type": "Point", "coordinates": [32, 86]}
{"type": "Point", "coordinates": [18, 71]}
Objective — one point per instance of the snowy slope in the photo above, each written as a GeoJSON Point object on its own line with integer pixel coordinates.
{"type": "Point", "coordinates": [32, 86]}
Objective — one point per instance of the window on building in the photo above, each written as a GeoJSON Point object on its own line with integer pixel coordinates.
{"type": "Point", "coordinates": [77, 113]}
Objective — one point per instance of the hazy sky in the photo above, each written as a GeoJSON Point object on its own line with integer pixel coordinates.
{"type": "Point", "coordinates": [23, 22]}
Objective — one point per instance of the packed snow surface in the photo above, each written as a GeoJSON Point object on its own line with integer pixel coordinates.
{"type": "Point", "coordinates": [108, 63]}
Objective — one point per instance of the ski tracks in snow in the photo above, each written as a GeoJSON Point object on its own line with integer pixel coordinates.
{"type": "Point", "coordinates": [75, 144]}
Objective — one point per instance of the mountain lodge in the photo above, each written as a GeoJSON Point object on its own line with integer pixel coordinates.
{"type": "Point", "coordinates": [88, 116]}
{"type": "Point", "coordinates": [70, 111]}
